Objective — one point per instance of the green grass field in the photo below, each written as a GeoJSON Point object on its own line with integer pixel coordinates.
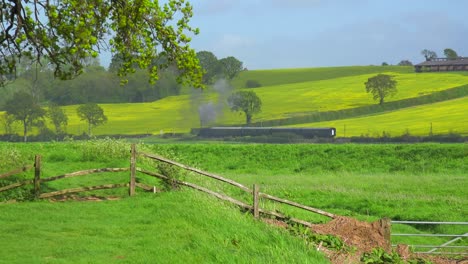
{"type": "Point", "coordinates": [179, 227]}
{"type": "Point", "coordinates": [403, 182]}
{"type": "Point", "coordinates": [446, 117]}
{"type": "Point", "coordinates": [298, 75]}
{"type": "Point", "coordinates": [290, 93]}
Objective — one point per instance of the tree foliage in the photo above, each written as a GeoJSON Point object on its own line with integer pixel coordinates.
{"type": "Point", "coordinates": [67, 33]}
{"type": "Point", "coordinates": [210, 65]}
{"type": "Point", "coordinates": [230, 67]}
{"type": "Point", "coordinates": [58, 117]}
{"type": "Point", "coordinates": [247, 102]}
{"type": "Point", "coordinates": [24, 108]}
{"type": "Point", "coordinates": [429, 54]}
{"type": "Point", "coordinates": [7, 122]}
{"type": "Point", "coordinates": [450, 54]}
{"type": "Point", "coordinates": [93, 114]}
{"type": "Point", "coordinates": [405, 63]}
{"type": "Point", "coordinates": [381, 86]}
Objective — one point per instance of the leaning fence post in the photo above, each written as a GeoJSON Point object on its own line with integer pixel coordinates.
{"type": "Point", "coordinates": [255, 201]}
{"type": "Point", "coordinates": [132, 170]}
{"type": "Point", "coordinates": [37, 176]}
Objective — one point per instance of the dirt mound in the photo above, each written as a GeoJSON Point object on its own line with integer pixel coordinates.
{"type": "Point", "coordinates": [362, 235]}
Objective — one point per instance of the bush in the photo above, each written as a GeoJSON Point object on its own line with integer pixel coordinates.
{"type": "Point", "coordinates": [252, 84]}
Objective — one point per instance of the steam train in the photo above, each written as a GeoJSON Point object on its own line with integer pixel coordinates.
{"type": "Point", "coordinates": [264, 131]}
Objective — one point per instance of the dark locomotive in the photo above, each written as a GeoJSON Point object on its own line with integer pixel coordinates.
{"type": "Point", "coordinates": [264, 131]}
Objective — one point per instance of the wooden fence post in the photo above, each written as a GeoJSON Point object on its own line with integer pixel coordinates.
{"type": "Point", "coordinates": [255, 201]}
{"type": "Point", "coordinates": [385, 227]}
{"type": "Point", "coordinates": [132, 170]}
{"type": "Point", "coordinates": [37, 176]}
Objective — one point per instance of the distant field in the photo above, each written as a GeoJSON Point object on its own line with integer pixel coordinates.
{"type": "Point", "coordinates": [347, 92]}
{"type": "Point", "coordinates": [446, 117]}
{"type": "Point", "coordinates": [293, 92]}
{"type": "Point", "coordinates": [287, 76]}
{"type": "Point", "coordinates": [180, 113]}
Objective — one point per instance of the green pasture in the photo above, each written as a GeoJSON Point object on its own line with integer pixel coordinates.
{"type": "Point", "coordinates": [178, 227]}
{"type": "Point", "coordinates": [180, 113]}
{"type": "Point", "coordinates": [304, 92]}
{"type": "Point", "coordinates": [298, 75]}
{"type": "Point", "coordinates": [344, 93]}
{"type": "Point", "coordinates": [400, 181]}
{"type": "Point", "coordinates": [446, 117]}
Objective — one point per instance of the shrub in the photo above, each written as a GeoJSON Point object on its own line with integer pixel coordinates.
{"type": "Point", "coordinates": [252, 84]}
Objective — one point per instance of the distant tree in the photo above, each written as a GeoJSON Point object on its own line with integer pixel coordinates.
{"type": "Point", "coordinates": [230, 67]}
{"type": "Point", "coordinates": [24, 108]}
{"type": "Point", "coordinates": [381, 86]}
{"type": "Point", "coordinates": [450, 54]}
{"type": "Point", "coordinates": [384, 64]}
{"type": "Point", "coordinates": [67, 33]}
{"type": "Point", "coordinates": [405, 63]}
{"type": "Point", "coordinates": [7, 122]}
{"type": "Point", "coordinates": [247, 102]}
{"type": "Point", "coordinates": [58, 118]}
{"type": "Point", "coordinates": [252, 84]}
{"type": "Point", "coordinates": [93, 114]}
{"type": "Point", "coordinates": [210, 65]}
{"type": "Point", "coordinates": [429, 54]}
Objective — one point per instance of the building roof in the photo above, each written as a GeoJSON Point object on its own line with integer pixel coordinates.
{"type": "Point", "coordinates": [444, 62]}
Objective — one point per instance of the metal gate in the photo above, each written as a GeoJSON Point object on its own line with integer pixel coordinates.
{"type": "Point", "coordinates": [456, 244]}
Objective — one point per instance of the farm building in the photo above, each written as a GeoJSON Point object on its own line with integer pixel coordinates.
{"type": "Point", "coordinates": [442, 64]}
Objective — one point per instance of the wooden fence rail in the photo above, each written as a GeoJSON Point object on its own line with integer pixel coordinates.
{"type": "Point", "coordinates": [211, 175]}
{"type": "Point", "coordinates": [16, 171]}
{"type": "Point", "coordinates": [132, 184]}
{"type": "Point", "coordinates": [83, 189]}
{"type": "Point", "coordinates": [256, 195]}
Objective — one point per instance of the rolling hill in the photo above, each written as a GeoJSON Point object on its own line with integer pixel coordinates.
{"type": "Point", "coordinates": [285, 94]}
{"type": "Point", "coordinates": [445, 117]}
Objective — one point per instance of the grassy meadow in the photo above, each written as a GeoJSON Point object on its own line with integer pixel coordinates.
{"type": "Point", "coordinates": [446, 117]}
{"type": "Point", "coordinates": [178, 227]}
{"type": "Point", "coordinates": [284, 94]}
{"type": "Point", "coordinates": [400, 181]}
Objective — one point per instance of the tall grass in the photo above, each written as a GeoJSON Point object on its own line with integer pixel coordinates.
{"type": "Point", "coordinates": [177, 227]}
{"type": "Point", "coordinates": [403, 182]}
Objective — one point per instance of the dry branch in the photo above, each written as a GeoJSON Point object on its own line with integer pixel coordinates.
{"type": "Point", "coordinates": [83, 172]}
{"type": "Point", "coordinates": [211, 175]}
{"type": "Point", "coordinates": [83, 189]}
{"type": "Point", "coordinates": [311, 209]}
{"type": "Point", "coordinates": [16, 171]}
{"type": "Point", "coordinates": [14, 185]}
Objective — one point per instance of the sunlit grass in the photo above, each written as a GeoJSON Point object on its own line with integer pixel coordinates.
{"type": "Point", "coordinates": [178, 227]}
{"type": "Point", "coordinates": [292, 92]}
{"type": "Point", "coordinates": [445, 117]}
{"type": "Point", "coordinates": [297, 75]}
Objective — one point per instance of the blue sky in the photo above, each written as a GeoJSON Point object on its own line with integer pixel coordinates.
{"type": "Point", "coordinates": [268, 34]}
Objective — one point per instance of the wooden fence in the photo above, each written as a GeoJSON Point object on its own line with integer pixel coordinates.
{"type": "Point", "coordinates": [132, 184]}
{"type": "Point", "coordinates": [37, 180]}
{"type": "Point", "coordinates": [254, 207]}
